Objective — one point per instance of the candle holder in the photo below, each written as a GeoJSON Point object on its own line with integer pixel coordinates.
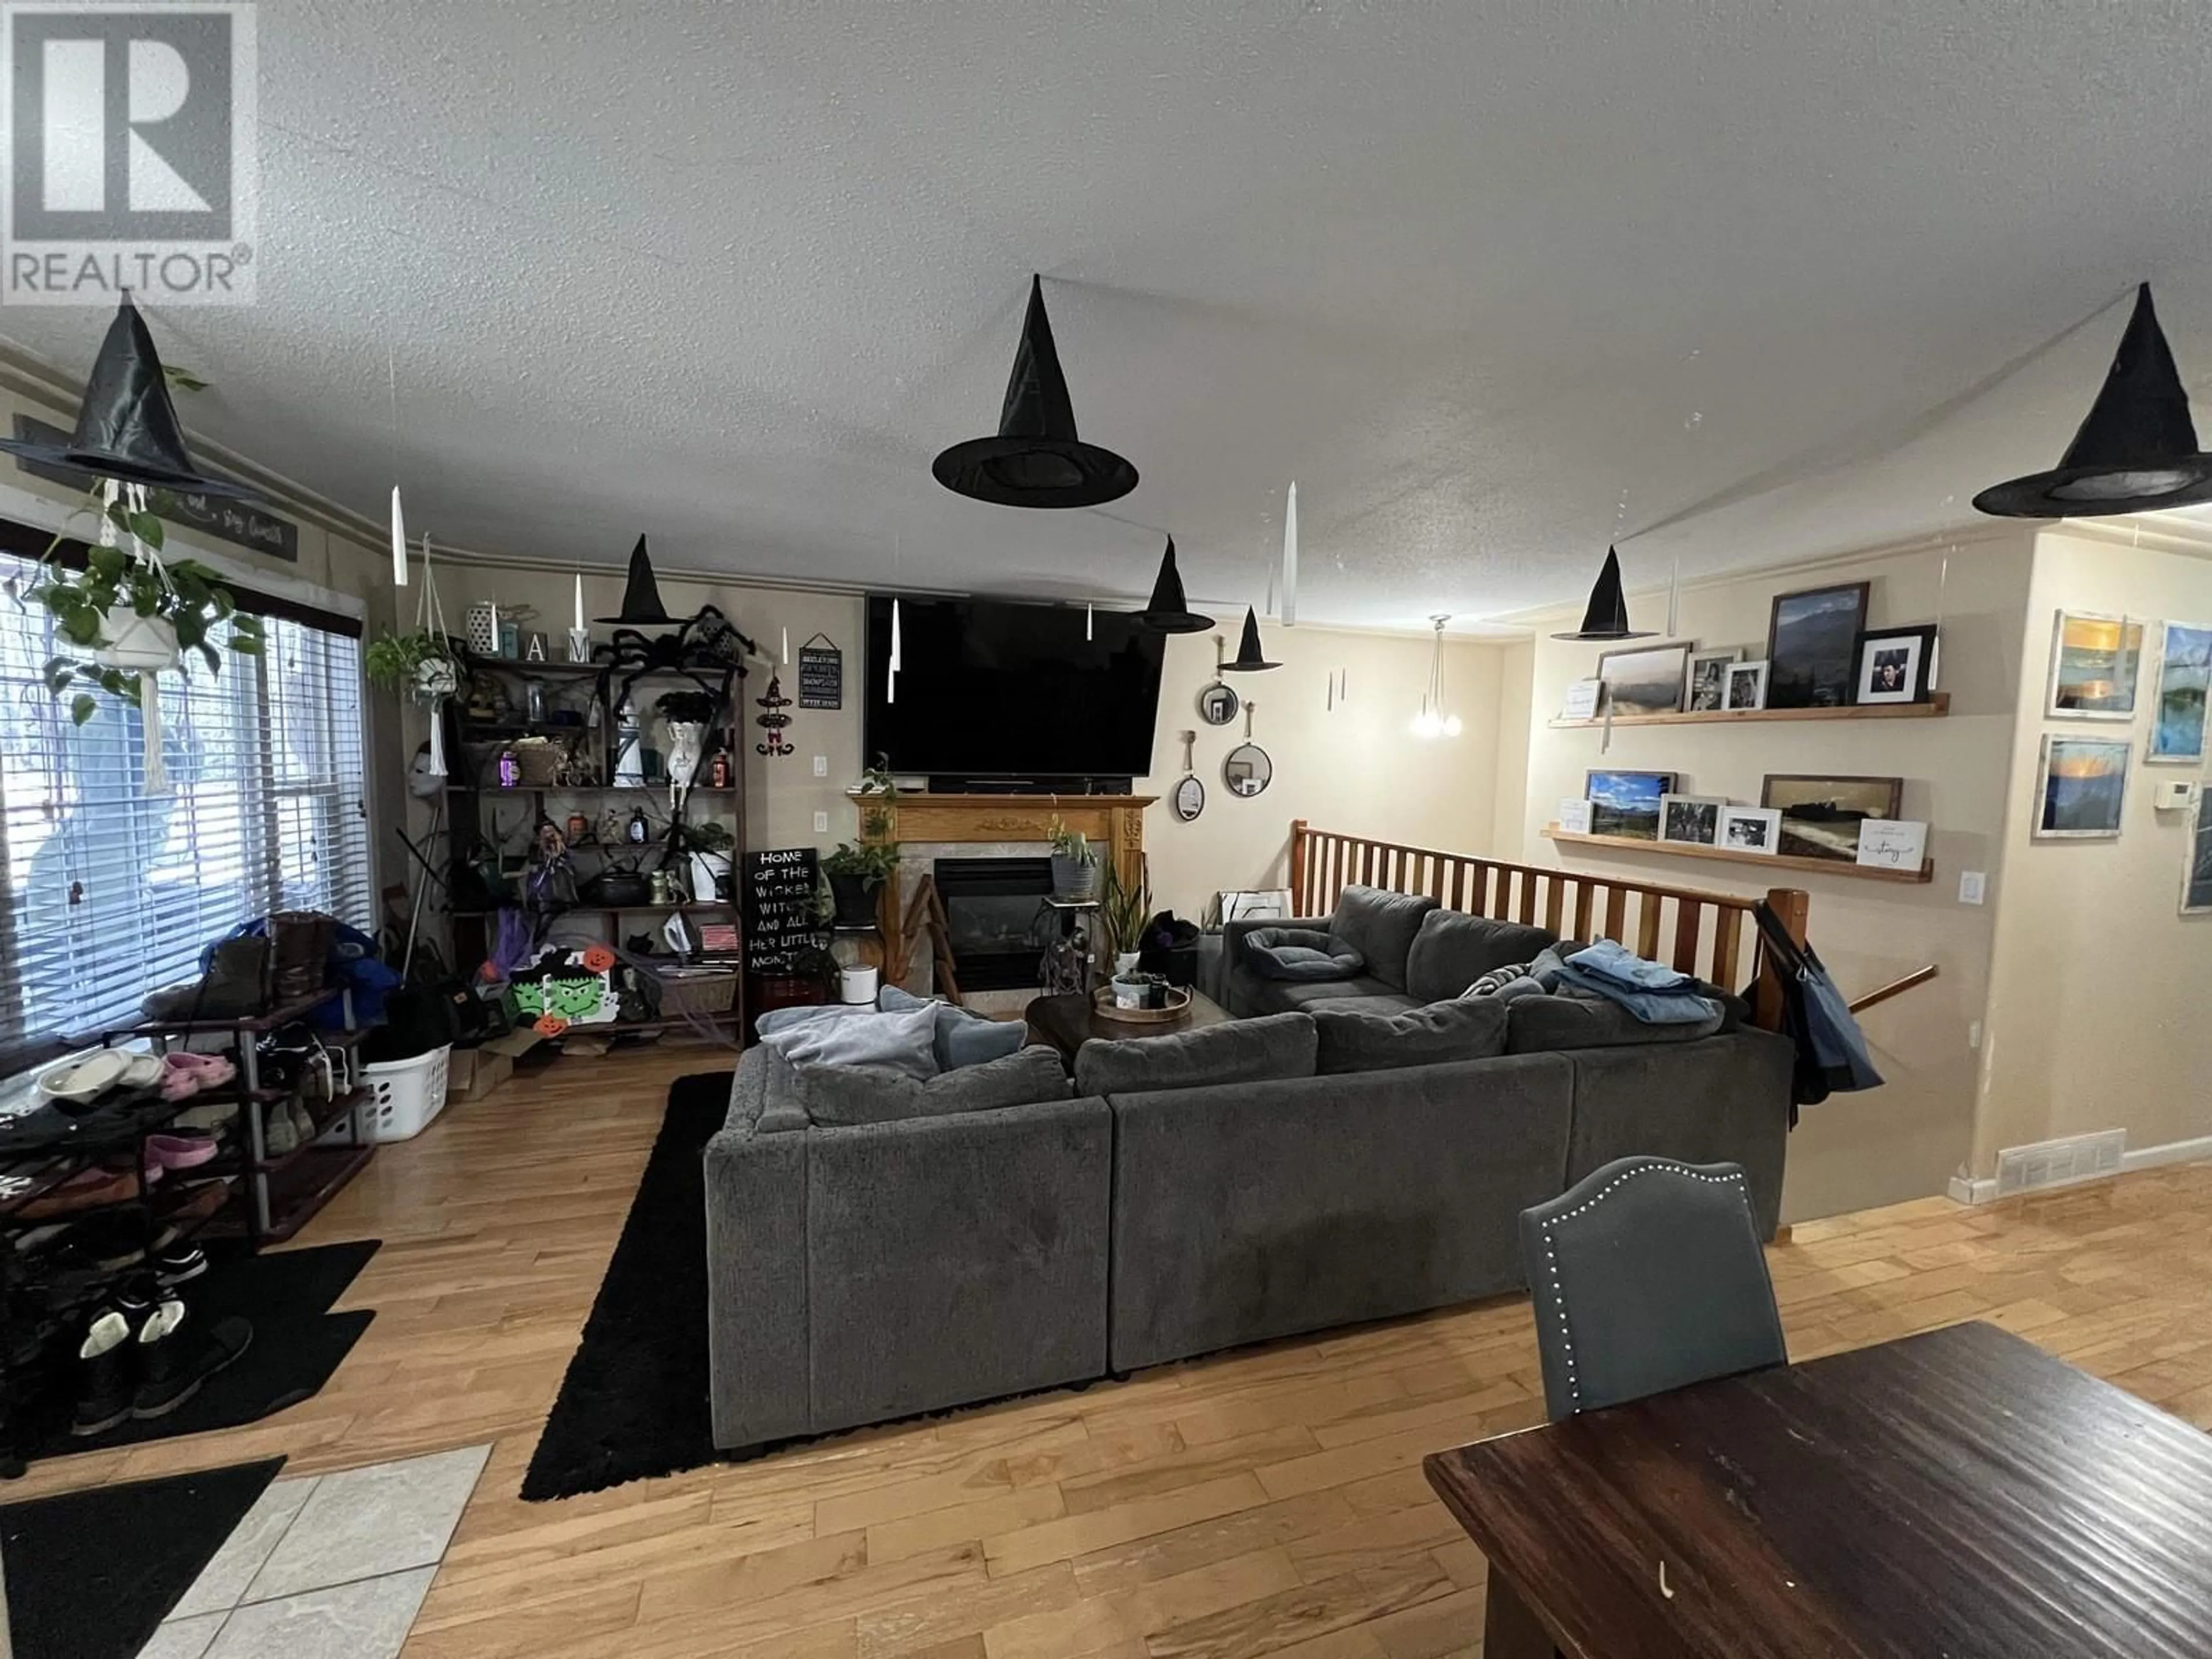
{"type": "Point", "coordinates": [579, 644]}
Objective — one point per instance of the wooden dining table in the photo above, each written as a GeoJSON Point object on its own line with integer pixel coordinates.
{"type": "Point", "coordinates": [1955, 1495]}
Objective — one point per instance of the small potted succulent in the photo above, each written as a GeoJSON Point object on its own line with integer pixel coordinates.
{"type": "Point", "coordinates": [1137, 990]}
{"type": "Point", "coordinates": [1074, 865]}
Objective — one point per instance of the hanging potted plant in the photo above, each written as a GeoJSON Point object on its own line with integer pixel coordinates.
{"type": "Point", "coordinates": [421, 664]}
{"type": "Point", "coordinates": [1074, 865]}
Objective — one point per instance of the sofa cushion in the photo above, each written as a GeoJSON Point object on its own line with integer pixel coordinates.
{"type": "Point", "coordinates": [879, 1094]}
{"type": "Point", "coordinates": [1453, 950]}
{"type": "Point", "coordinates": [963, 1038]}
{"type": "Point", "coordinates": [1352, 1038]}
{"type": "Point", "coordinates": [901, 1040]}
{"type": "Point", "coordinates": [1537, 1024]}
{"type": "Point", "coordinates": [1276, 997]}
{"type": "Point", "coordinates": [1380, 926]}
{"type": "Point", "coordinates": [1298, 954]}
{"type": "Point", "coordinates": [1239, 1051]}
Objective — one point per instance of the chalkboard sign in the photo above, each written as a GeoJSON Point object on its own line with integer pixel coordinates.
{"type": "Point", "coordinates": [238, 522]}
{"type": "Point", "coordinates": [821, 675]}
{"type": "Point", "coordinates": [782, 915]}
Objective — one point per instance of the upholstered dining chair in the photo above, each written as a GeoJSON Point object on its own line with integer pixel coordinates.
{"type": "Point", "coordinates": [1647, 1275]}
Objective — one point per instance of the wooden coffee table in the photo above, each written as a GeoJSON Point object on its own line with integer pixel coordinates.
{"type": "Point", "coordinates": [1068, 1022]}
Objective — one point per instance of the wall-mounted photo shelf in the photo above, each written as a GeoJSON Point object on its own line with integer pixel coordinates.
{"type": "Point", "coordinates": [1935, 707]}
{"type": "Point", "coordinates": [1729, 855]}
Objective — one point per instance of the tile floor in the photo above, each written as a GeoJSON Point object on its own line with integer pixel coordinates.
{"type": "Point", "coordinates": [332, 1566]}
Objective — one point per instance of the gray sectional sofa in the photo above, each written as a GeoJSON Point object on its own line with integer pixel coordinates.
{"type": "Point", "coordinates": [1182, 1195]}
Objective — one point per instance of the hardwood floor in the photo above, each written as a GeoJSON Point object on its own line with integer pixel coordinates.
{"type": "Point", "coordinates": [1265, 1502]}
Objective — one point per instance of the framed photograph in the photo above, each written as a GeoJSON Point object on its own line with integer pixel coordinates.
{"type": "Point", "coordinates": [1691, 819]}
{"type": "Point", "coordinates": [1646, 680]}
{"type": "Point", "coordinates": [2094, 660]}
{"type": "Point", "coordinates": [1706, 691]}
{"type": "Point", "coordinates": [1895, 664]}
{"type": "Point", "coordinates": [1750, 828]}
{"type": "Point", "coordinates": [1581, 702]}
{"type": "Point", "coordinates": [1625, 804]}
{"type": "Point", "coordinates": [1821, 815]}
{"type": "Point", "coordinates": [1575, 816]}
{"type": "Point", "coordinates": [2196, 874]}
{"type": "Point", "coordinates": [2177, 718]}
{"type": "Point", "coordinates": [2080, 787]}
{"type": "Point", "coordinates": [1746, 685]}
{"type": "Point", "coordinates": [1812, 646]}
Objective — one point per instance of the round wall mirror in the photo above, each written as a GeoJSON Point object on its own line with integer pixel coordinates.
{"type": "Point", "coordinates": [1189, 799]}
{"type": "Point", "coordinates": [1247, 770]}
{"type": "Point", "coordinates": [1218, 704]}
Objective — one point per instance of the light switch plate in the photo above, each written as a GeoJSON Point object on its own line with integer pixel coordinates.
{"type": "Point", "coordinates": [821, 824]}
{"type": "Point", "coordinates": [1973, 886]}
{"type": "Point", "coordinates": [822, 770]}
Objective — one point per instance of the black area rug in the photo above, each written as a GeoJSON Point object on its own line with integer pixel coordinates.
{"type": "Point", "coordinates": [91, 1573]}
{"type": "Point", "coordinates": [297, 1343]}
{"type": "Point", "coordinates": [634, 1402]}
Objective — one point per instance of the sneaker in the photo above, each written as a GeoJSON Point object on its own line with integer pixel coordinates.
{"type": "Point", "coordinates": [104, 1377]}
{"type": "Point", "coordinates": [175, 1361]}
{"type": "Point", "coordinates": [178, 1263]}
{"type": "Point", "coordinates": [303, 1120]}
{"type": "Point", "coordinates": [174, 1150]}
{"type": "Point", "coordinates": [279, 1134]}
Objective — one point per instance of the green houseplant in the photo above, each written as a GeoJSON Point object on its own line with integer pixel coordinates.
{"type": "Point", "coordinates": [1074, 865]}
{"type": "Point", "coordinates": [856, 869]}
{"type": "Point", "coordinates": [1123, 909]}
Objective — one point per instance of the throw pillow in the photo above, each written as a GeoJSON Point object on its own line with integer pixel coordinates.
{"type": "Point", "coordinates": [1536, 1024]}
{"type": "Point", "coordinates": [1452, 949]}
{"type": "Point", "coordinates": [1298, 954]}
{"type": "Point", "coordinates": [1237, 1051]}
{"type": "Point", "coordinates": [1380, 927]}
{"type": "Point", "coordinates": [903, 1040]}
{"type": "Point", "coordinates": [1497, 980]}
{"type": "Point", "coordinates": [1350, 1039]}
{"type": "Point", "coordinates": [844, 1096]}
{"type": "Point", "coordinates": [963, 1038]}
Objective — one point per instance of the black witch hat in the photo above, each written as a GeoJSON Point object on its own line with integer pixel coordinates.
{"type": "Point", "coordinates": [1036, 460]}
{"type": "Point", "coordinates": [126, 427]}
{"type": "Point", "coordinates": [1248, 660]}
{"type": "Point", "coordinates": [1167, 612]}
{"type": "Point", "coordinates": [1608, 615]}
{"type": "Point", "coordinates": [640, 606]}
{"type": "Point", "coordinates": [2135, 453]}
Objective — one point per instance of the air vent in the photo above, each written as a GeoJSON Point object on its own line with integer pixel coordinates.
{"type": "Point", "coordinates": [2060, 1163]}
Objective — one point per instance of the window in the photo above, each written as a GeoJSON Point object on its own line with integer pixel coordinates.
{"type": "Point", "coordinates": [108, 892]}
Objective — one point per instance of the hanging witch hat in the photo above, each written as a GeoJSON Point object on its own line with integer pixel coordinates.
{"type": "Point", "coordinates": [1608, 615]}
{"type": "Point", "coordinates": [1167, 612]}
{"type": "Point", "coordinates": [641, 605]}
{"type": "Point", "coordinates": [1248, 660]}
{"type": "Point", "coordinates": [1036, 460]}
{"type": "Point", "coordinates": [2135, 452]}
{"type": "Point", "coordinates": [126, 427]}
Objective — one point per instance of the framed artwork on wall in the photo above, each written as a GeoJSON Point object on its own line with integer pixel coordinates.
{"type": "Point", "coordinates": [1750, 828]}
{"type": "Point", "coordinates": [1895, 664]}
{"type": "Point", "coordinates": [2196, 874]}
{"type": "Point", "coordinates": [1746, 685]}
{"type": "Point", "coordinates": [1626, 803]}
{"type": "Point", "coordinates": [2095, 661]}
{"type": "Point", "coordinates": [2177, 716]}
{"type": "Point", "coordinates": [1691, 820]}
{"type": "Point", "coordinates": [1647, 680]}
{"type": "Point", "coordinates": [1812, 646]}
{"type": "Point", "coordinates": [2080, 787]}
{"type": "Point", "coordinates": [1706, 691]}
{"type": "Point", "coordinates": [1821, 815]}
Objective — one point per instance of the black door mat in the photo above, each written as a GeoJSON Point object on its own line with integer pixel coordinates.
{"type": "Point", "coordinates": [91, 1574]}
{"type": "Point", "coordinates": [297, 1344]}
{"type": "Point", "coordinates": [634, 1402]}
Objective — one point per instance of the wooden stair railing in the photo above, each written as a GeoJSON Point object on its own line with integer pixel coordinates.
{"type": "Point", "coordinates": [1896, 988]}
{"type": "Point", "coordinates": [1710, 935]}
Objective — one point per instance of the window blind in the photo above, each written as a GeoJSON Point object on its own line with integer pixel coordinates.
{"type": "Point", "coordinates": [108, 892]}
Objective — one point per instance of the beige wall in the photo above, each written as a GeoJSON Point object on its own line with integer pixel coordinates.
{"type": "Point", "coordinates": [2098, 986]}
{"type": "Point", "coordinates": [1356, 770]}
{"type": "Point", "coordinates": [1908, 1139]}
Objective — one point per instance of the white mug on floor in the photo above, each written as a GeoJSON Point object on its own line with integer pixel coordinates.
{"type": "Point", "coordinates": [856, 984]}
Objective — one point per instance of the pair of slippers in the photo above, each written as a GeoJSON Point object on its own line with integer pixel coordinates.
{"type": "Point", "coordinates": [185, 1074]}
{"type": "Point", "coordinates": [76, 1085]}
{"type": "Point", "coordinates": [105, 1184]}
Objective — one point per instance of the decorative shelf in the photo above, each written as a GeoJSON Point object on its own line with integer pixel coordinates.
{"type": "Point", "coordinates": [1938, 705]}
{"type": "Point", "coordinates": [1729, 855]}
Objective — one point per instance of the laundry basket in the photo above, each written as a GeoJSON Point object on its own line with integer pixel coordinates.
{"type": "Point", "coordinates": [403, 1095]}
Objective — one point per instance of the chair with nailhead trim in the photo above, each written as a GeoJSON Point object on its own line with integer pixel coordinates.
{"type": "Point", "coordinates": [1647, 1275]}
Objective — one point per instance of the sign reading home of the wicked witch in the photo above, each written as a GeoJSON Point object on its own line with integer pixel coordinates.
{"type": "Point", "coordinates": [821, 675]}
{"type": "Point", "coordinates": [783, 915]}
{"type": "Point", "coordinates": [239, 523]}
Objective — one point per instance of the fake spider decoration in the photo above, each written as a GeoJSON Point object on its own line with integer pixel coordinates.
{"type": "Point", "coordinates": [708, 650]}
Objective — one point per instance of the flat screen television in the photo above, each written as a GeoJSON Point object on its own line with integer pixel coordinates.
{"type": "Point", "coordinates": [990, 689]}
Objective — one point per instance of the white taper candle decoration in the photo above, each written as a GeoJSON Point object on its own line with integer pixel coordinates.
{"type": "Point", "coordinates": [1291, 557]}
{"type": "Point", "coordinates": [579, 624]}
{"type": "Point", "coordinates": [399, 541]}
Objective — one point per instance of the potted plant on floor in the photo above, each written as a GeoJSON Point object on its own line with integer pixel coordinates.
{"type": "Point", "coordinates": [1074, 865]}
{"type": "Point", "coordinates": [1123, 909]}
{"type": "Point", "coordinates": [855, 873]}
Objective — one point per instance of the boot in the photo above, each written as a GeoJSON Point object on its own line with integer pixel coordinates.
{"type": "Point", "coordinates": [104, 1374]}
{"type": "Point", "coordinates": [299, 946]}
{"type": "Point", "coordinates": [236, 984]}
{"type": "Point", "coordinates": [279, 1134]}
{"type": "Point", "coordinates": [174, 1358]}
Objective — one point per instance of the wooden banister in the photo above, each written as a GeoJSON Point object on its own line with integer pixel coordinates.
{"type": "Point", "coordinates": [1895, 988]}
{"type": "Point", "coordinates": [1705, 934]}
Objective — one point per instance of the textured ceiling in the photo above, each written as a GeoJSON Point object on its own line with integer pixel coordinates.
{"type": "Point", "coordinates": [1490, 281]}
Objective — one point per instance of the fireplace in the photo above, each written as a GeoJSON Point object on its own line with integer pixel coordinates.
{"type": "Point", "coordinates": [993, 906]}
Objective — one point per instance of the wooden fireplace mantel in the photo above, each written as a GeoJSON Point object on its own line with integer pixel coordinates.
{"type": "Point", "coordinates": [1116, 823]}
